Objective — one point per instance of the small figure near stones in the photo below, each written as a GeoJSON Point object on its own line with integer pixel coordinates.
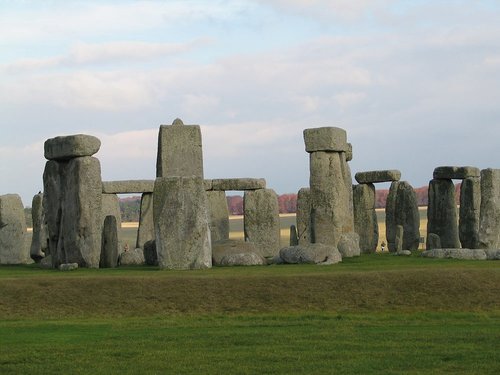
{"type": "Point", "coordinates": [382, 246]}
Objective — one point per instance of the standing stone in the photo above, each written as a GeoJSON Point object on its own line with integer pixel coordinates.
{"type": "Point", "coordinates": [146, 230]}
{"type": "Point", "coordinates": [470, 204]}
{"type": "Point", "coordinates": [13, 233]}
{"type": "Point", "coordinates": [303, 216]}
{"type": "Point", "coordinates": [365, 217]}
{"type": "Point", "coordinates": [218, 215]}
{"type": "Point", "coordinates": [398, 243]}
{"type": "Point", "coordinates": [110, 244]}
{"type": "Point", "coordinates": [38, 239]}
{"type": "Point", "coordinates": [331, 204]}
{"type": "Point", "coordinates": [442, 212]}
{"type": "Point", "coordinates": [179, 150]}
{"type": "Point", "coordinates": [489, 222]}
{"type": "Point", "coordinates": [54, 176]}
{"type": "Point", "coordinates": [294, 239]}
{"type": "Point", "coordinates": [111, 206]}
{"type": "Point", "coordinates": [81, 220]}
{"type": "Point", "coordinates": [407, 215]}
{"type": "Point", "coordinates": [390, 216]}
{"type": "Point", "coordinates": [261, 221]}
{"type": "Point", "coordinates": [181, 223]}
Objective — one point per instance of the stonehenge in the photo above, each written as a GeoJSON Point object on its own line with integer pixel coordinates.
{"type": "Point", "coordinates": [184, 219]}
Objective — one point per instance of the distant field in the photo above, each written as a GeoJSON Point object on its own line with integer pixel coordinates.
{"type": "Point", "coordinates": [129, 230]}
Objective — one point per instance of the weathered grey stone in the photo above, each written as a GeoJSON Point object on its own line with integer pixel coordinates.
{"type": "Point", "coordinates": [458, 173]}
{"type": "Point", "coordinates": [334, 258]}
{"type": "Point", "coordinates": [221, 249]}
{"type": "Point", "coordinates": [54, 177]}
{"type": "Point", "coordinates": [402, 209]}
{"type": "Point", "coordinates": [348, 245]}
{"type": "Point", "coordinates": [39, 238]}
{"type": "Point", "coordinates": [390, 216]}
{"type": "Point", "coordinates": [133, 257]}
{"type": "Point", "coordinates": [365, 217]}
{"type": "Point", "coordinates": [146, 230]}
{"type": "Point", "coordinates": [71, 146]}
{"type": "Point", "coordinates": [433, 241]}
{"type": "Point", "coordinates": [238, 184]}
{"type": "Point", "coordinates": [470, 204]}
{"type": "Point", "coordinates": [13, 239]}
{"type": "Point", "coordinates": [68, 266]}
{"type": "Point", "coordinates": [81, 221]}
{"type": "Point", "coordinates": [442, 212]}
{"type": "Point", "coordinates": [150, 255]}
{"type": "Point", "coordinates": [46, 262]}
{"type": "Point", "coordinates": [208, 184]}
{"type": "Point", "coordinates": [489, 222]}
{"type": "Point", "coordinates": [261, 222]}
{"type": "Point", "coordinates": [303, 215]}
{"type": "Point", "coordinates": [372, 177]}
{"type": "Point", "coordinates": [294, 239]}
{"type": "Point", "coordinates": [110, 205]}
{"type": "Point", "coordinates": [179, 151]}
{"type": "Point", "coordinates": [407, 215]}
{"type": "Point", "coordinates": [218, 215]}
{"type": "Point", "coordinates": [181, 223]}
{"type": "Point", "coordinates": [243, 259]}
{"type": "Point", "coordinates": [331, 197]}
{"type": "Point", "coordinates": [398, 242]}
{"type": "Point", "coordinates": [492, 254]}
{"type": "Point", "coordinates": [128, 186]}
{"type": "Point", "coordinates": [326, 139]}
{"type": "Point", "coordinates": [314, 253]}
{"type": "Point", "coordinates": [110, 246]}
{"type": "Point", "coordinates": [466, 254]}
{"type": "Point", "coordinates": [348, 153]}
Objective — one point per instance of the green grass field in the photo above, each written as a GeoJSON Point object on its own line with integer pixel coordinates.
{"type": "Point", "coordinates": [373, 314]}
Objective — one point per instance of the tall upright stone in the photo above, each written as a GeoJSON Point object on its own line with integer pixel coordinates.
{"type": "Point", "coordinates": [470, 204]}
{"type": "Point", "coordinates": [365, 217]}
{"type": "Point", "coordinates": [489, 222]}
{"type": "Point", "coordinates": [73, 200]}
{"type": "Point", "coordinates": [146, 230]}
{"type": "Point", "coordinates": [110, 248]}
{"type": "Point", "coordinates": [179, 150]}
{"type": "Point", "coordinates": [442, 218]}
{"type": "Point", "coordinates": [261, 222]}
{"type": "Point", "coordinates": [13, 233]}
{"type": "Point", "coordinates": [218, 215]}
{"type": "Point", "coordinates": [390, 216]}
{"type": "Point", "coordinates": [181, 223]}
{"type": "Point", "coordinates": [402, 210]}
{"type": "Point", "coordinates": [303, 216]}
{"type": "Point", "coordinates": [39, 237]}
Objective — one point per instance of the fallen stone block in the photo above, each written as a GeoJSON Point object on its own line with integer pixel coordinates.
{"type": "Point", "coordinates": [68, 266]}
{"type": "Point", "coordinates": [313, 253]}
{"type": "Point", "coordinates": [133, 257]}
{"type": "Point", "coordinates": [243, 259]}
{"type": "Point", "coordinates": [464, 254]}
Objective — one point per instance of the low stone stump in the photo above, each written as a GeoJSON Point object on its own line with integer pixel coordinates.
{"type": "Point", "coordinates": [465, 254]}
{"type": "Point", "coordinates": [348, 245]}
{"type": "Point", "coordinates": [314, 253]}
{"type": "Point", "coordinates": [133, 257]}
{"type": "Point", "coordinates": [236, 253]}
{"type": "Point", "coordinates": [68, 266]}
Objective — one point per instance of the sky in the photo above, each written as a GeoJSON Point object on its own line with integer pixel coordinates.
{"type": "Point", "coordinates": [416, 84]}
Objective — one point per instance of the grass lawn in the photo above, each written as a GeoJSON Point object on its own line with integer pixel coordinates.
{"type": "Point", "coordinates": [373, 314]}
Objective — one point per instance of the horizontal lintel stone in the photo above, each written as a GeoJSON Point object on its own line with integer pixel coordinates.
{"type": "Point", "coordinates": [372, 177]}
{"type": "Point", "coordinates": [71, 146]}
{"type": "Point", "coordinates": [238, 184]}
{"type": "Point", "coordinates": [128, 186]}
{"type": "Point", "coordinates": [326, 139]}
{"type": "Point", "coordinates": [455, 173]}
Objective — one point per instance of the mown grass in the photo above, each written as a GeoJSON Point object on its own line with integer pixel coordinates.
{"type": "Point", "coordinates": [373, 314]}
